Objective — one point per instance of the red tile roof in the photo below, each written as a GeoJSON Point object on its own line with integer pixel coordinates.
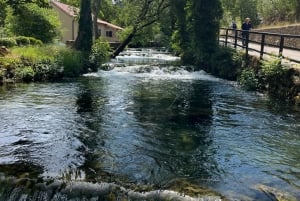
{"type": "Point", "coordinates": [73, 12]}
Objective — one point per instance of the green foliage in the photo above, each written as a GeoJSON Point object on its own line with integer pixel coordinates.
{"type": "Point", "coordinates": [25, 41]}
{"type": "Point", "coordinates": [34, 41]}
{"type": "Point", "coordinates": [36, 64]}
{"type": "Point", "coordinates": [266, 11]}
{"type": "Point", "coordinates": [272, 68]}
{"type": "Point", "coordinates": [100, 53]}
{"type": "Point", "coordinates": [17, 4]}
{"type": "Point", "coordinates": [35, 54]}
{"type": "Point", "coordinates": [25, 73]}
{"type": "Point", "coordinates": [19, 41]}
{"type": "Point", "coordinates": [248, 79]}
{"type": "Point", "coordinates": [72, 62]}
{"type": "Point", "coordinates": [204, 24]}
{"type": "Point", "coordinates": [47, 70]}
{"type": "Point", "coordinates": [175, 43]}
{"type": "Point", "coordinates": [224, 63]}
{"type": "Point", "coordinates": [33, 21]}
{"type": "Point", "coordinates": [9, 62]}
{"type": "Point", "coordinates": [3, 6]}
{"type": "Point", "coordinates": [22, 40]}
{"type": "Point", "coordinates": [1, 76]}
{"type": "Point", "coordinates": [8, 42]}
{"type": "Point", "coordinates": [197, 29]}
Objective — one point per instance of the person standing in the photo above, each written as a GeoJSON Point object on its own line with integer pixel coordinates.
{"type": "Point", "coordinates": [246, 27]}
{"type": "Point", "coordinates": [233, 25]}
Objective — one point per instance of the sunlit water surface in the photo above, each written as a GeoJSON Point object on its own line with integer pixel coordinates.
{"type": "Point", "coordinates": [150, 125]}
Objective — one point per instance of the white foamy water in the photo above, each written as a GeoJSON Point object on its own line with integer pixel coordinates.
{"type": "Point", "coordinates": [157, 72]}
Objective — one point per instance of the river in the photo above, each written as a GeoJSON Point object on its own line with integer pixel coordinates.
{"type": "Point", "coordinates": [148, 126]}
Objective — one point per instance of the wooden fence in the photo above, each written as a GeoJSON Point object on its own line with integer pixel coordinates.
{"type": "Point", "coordinates": [286, 46]}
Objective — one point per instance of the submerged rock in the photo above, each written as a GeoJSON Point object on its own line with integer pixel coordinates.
{"type": "Point", "coordinates": [275, 194]}
{"type": "Point", "coordinates": [14, 189]}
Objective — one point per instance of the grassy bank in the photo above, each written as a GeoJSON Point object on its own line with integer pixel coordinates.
{"type": "Point", "coordinates": [39, 63]}
{"type": "Point", "coordinates": [49, 62]}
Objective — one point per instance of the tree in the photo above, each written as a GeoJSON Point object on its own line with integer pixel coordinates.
{"type": "Point", "coordinates": [34, 21]}
{"type": "Point", "coordinates": [75, 3]}
{"type": "Point", "coordinates": [297, 10]}
{"type": "Point", "coordinates": [96, 9]}
{"type": "Point", "coordinates": [18, 4]}
{"type": "Point", "coordinates": [204, 25]}
{"type": "Point", "coordinates": [84, 38]}
{"type": "Point", "coordinates": [180, 37]}
{"type": "Point", "coordinates": [3, 6]}
{"type": "Point", "coordinates": [197, 28]}
{"type": "Point", "coordinates": [145, 13]}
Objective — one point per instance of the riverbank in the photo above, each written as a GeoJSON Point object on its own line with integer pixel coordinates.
{"type": "Point", "coordinates": [273, 76]}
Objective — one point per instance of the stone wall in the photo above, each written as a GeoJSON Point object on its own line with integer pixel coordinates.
{"type": "Point", "coordinates": [275, 40]}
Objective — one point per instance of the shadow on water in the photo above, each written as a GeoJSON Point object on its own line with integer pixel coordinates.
{"type": "Point", "coordinates": [177, 120]}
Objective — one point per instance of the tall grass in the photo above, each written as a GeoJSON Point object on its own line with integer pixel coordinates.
{"type": "Point", "coordinates": [72, 62]}
{"type": "Point", "coordinates": [37, 54]}
{"type": "Point", "coordinates": [47, 62]}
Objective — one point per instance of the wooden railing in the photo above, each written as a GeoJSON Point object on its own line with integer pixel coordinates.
{"type": "Point", "coordinates": [285, 46]}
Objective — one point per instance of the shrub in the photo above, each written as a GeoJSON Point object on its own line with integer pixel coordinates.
{"type": "Point", "coordinates": [225, 63]}
{"type": "Point", "coordinates": [100, 53]}
{"type": "Point", "coordinates": [248, 79]}
{"type": "Point", "coordinates": [272, 68]}
{"type": "Point", "coordinates": [72, 62]}
{"type": "Point", "coordinates": [25, 73]}
{"type": "Point", "coordinates": [47, 70]}
{"type": "Point", "coordinates": [9, 62]}
{"type": "Point", "coordinates": [22, 40]}
{"type": "Point", "coordinates": [34, 41]}
{"type": "Point", "coordinates": [33, 21]}
{"type": "Point", "coordinates": [8, 42]}
{"type": "Point", "coordinates": [1, 75]}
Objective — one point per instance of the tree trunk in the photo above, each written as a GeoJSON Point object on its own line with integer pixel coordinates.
{"type": "Point", "coordinates": [84, 38]}
{"type": "Point", "coordinates": [122, 46]}
{"type": "Point", "coordinates": [96, 8]}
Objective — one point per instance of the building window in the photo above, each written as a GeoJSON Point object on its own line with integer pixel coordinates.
{"type": "Point", "coordinates": [108, 33]}
{"type": "Point", "coordinates": [99, 31]}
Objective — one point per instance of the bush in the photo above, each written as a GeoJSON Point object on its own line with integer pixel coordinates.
{"type": "Point", "coordinates": [47, 70]}
{"type": "Point", "coordinates": [272, 68]}
{"type": "Point", "coordinates": [9, 62]}
{"type": "Point", "coordinates": [25, 41]}
{"type": "Point", "coordinates": [100, 53]}
{"type": "Point", "coordinates": [72, 62]}
{"type": "Point", "coordinates": [22, 40]}
{"type": "Point", "coordinates": [25, 73]}
{"type": "Point", "coordinates": [248, 79]}
{"type": "Point", "coordinates": [34, 41]}
{"type": "Point", "coordinates": [33, 21]}
{"type": "Point", "coordinates": [225, 63]}
{"type": "Point", "coordinates": [8, 42]}
{"type": "Point", "coordinates": [1, 76]}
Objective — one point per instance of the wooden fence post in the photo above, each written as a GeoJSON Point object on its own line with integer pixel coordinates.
{"type": "Point", "coordinates": [281, 45]}
{"type": "Point", "coordinates": [226, 38]}
{"type": "Point", "coordinates": [235, 38]}
{"type": "Point", "coordinates": [262, 45]}
{"type": "Point", "coordinates": [247, 43]}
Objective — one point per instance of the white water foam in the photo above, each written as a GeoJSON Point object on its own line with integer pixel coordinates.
{"type": "Point", "coordinates": [156, 72]}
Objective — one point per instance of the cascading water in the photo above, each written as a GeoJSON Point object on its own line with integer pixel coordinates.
{"type": "Point", "coordinates": [146, 132]}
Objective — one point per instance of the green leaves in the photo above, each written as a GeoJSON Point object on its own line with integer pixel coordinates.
{"type": "Point", "coordinates": [34, 21]}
